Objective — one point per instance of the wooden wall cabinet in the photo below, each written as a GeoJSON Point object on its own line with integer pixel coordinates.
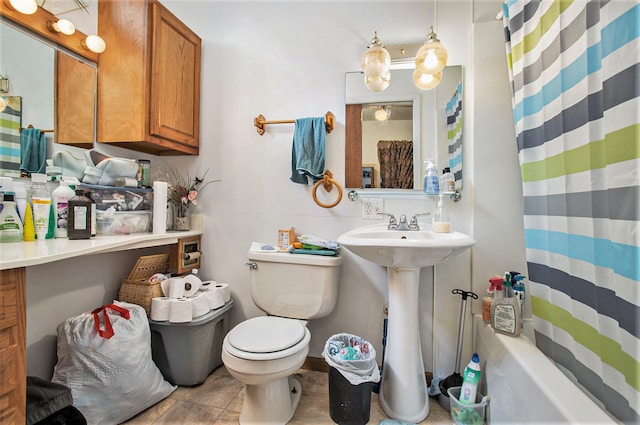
{"type": "Point", "coordinates": [13, 354]}
{"type": "Point", "coordinates": [148, 79]}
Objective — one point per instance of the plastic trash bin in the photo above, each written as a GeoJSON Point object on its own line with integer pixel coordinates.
{"type": "Point", "coordinates": [353, 370]}
{"type": "Point", "coordinates": [466, 414]}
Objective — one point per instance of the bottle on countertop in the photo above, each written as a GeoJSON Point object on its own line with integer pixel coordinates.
{"type": "Point", "coordinates": [94, 214]}
{"type": "Point", "coordinates": [60, 203]}
{"type": "Point", "coordinates": [10, 223]}
{"type": "Point", "coordinates": [39, 197]}
{"type": "Point", "coordinates": [470, 381]}
{"type": "Point", "coordinates": [79, 219]}
{"type": "Point", "coordinates": [496, 285]}
{"type": "Point", "coordinates": [431, 178]}
{"type": "Point", "coordinates": [441, 221]}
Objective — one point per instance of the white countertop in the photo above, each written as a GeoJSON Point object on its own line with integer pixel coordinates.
{"type": "Point", "coordinates": [25, 254]}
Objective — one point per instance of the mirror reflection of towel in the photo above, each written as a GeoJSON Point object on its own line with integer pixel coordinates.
{"type": "Point", "coordinates": [308, 151]}
{"type": "Point", "coordinates": [33, 151]}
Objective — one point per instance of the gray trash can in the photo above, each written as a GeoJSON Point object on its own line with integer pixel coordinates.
{"type": "Point", "coordinates": [352, 371]}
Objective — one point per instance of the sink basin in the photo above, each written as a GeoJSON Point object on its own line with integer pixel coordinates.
{"type": "Point", "coordinates": [403, 388]}
{"type": "Point", "coordinates": [399, 248]}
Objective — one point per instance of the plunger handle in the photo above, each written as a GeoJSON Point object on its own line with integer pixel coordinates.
{"type": "Point", "coordinates": [463, 310]}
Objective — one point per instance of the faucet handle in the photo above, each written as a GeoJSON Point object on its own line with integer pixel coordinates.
{"type": "Point", "coordinates": [393, 223]}
{"type": "Point", "coordinates": [413, 224]}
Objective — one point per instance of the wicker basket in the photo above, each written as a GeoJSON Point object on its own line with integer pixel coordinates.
{"type": "Point", "coordinates": [136, 288]}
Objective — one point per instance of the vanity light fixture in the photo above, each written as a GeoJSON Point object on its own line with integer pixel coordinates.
{"type": "Point", "coordinates": [4, 84]}
{"type": "Point", "coordinates": [94, 43]}
{"type": "Point", "coordinates": [375, 63]}
{"type": "Point", "coordinates": [26, 7]}
{"type": "Point", "coordinates": [432, 56]}
{"type": "Point", "coordinates": [425, 80]}
{"type": "Point", "coordinates": [383, 113]}
{"type": "Point", "coordinates": [63, 26]}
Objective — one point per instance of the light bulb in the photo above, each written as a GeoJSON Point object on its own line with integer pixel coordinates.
{"type": "Point", "coordinates": [62, 26]}
{"type": "Point", "coordinates": [94, 43]}
{"type": "Point", "coordinates": [382, 114]}
{"type": "Point", "coordinates": [26, 7]}
{"type": "Point", "coordinates": [426, 81]}
{"type": "Point", "coordinates": [432, 56]}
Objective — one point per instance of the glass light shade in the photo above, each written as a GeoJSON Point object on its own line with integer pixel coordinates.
{"type": "Point", "coordinates": [26, 7]}
{"type": "Point", "coordinates": [64, 26]}
{"type": "Point", "coordinates": [426, 81]}
{"type": "Point", "coordinates": [378, 82]}
{"type": "Point", "coordinates": [382, 114]}
{"type": "Point", "coordinates": [94, 43]}
{"type": "Point", "coordinates": [432, 56]}
{"type": "Point", "coordinates": [375, 60]}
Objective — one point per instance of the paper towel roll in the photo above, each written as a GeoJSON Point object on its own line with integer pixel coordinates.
{"type": "Point", "coordinates": [215, 297]}
{"type": "Point", "coordinates": [224, 287]}
{"type": "Point", "coordinates": [176, 287]}
{"type": "Point", "coordinates": [191, 284]}
{"type": "Point", "coordinates": [160, 308]}
{"type": "Point", "coordinates": [159, 207]}
{"type": "Point", "coordinates": [181, 310]}
{"type": "Point", "coordinates": [200, 305]}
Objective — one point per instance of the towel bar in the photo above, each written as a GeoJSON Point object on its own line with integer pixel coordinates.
{"type": "Point", "coordinates": [31, 126]}
{"type": "Point", "coordinates": [328, 182]}
{"type": "Point", "coordinates": [260, 121]}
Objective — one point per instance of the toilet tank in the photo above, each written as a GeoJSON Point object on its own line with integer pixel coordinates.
{"type": "Point", "coordinates": [298, 286]}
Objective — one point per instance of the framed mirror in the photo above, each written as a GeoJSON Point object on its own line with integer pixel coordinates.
{"type": "Point", "coordinates": [387, 154]}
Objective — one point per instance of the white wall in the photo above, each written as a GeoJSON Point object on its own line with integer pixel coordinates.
{"type": "Point", "coordinates": [287, 60]}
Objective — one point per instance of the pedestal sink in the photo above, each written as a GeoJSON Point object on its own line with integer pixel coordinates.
{"type": "Point", "coordinates": [403, 389]}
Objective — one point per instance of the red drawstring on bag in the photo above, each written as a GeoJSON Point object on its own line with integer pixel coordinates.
{"type": "Point", "coordinates": [108, 329]}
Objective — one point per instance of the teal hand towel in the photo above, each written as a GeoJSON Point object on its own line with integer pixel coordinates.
{"type": "Point", "coordinates": [33, 151]}
{"type": "Point", "coordinates": [308, 151]}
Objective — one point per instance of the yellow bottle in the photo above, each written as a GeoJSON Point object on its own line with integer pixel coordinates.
{"type": "Point", "coordinates": [29, 230]}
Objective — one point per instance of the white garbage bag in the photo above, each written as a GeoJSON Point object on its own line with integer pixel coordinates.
{"type": "Point", "coordinates": [104, 357]}
{"type": "Point", "coordinates": [353, 357]}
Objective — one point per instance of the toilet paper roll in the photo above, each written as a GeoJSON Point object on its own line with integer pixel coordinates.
{"type": "Point", "coordinates": [160, 308]}
{"type": "Point", "coordinates": [207, 284]}
{"type": "Point", "coordinates": [200, 305]}
{"type": "Point", "coordinates": [160, 207]}
{"type": "Point", "coordinates": [224, 287]}
{"type": "Point", "coordinates": [191, 285]}
{"type": "Point", "coordinates": [215, 297]}
{"type": "Point", "coordinates": [176, 287]}
{"type": "Point", "coordinates": [181, 310]}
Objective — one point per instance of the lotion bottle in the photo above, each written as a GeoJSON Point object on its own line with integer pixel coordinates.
{"type": "Point", "coordinates": [60, 202]}
{"type": "Point", "coordinates": [10, 224]}
{"type": "Point", "coordinates": [431, 178]}
{"type": "Point", "coordinates": [470, 381]}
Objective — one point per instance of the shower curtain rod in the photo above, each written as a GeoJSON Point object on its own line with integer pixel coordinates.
{"type": "Point", "coordinates": [260, 122]}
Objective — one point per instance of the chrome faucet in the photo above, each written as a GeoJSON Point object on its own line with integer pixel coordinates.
{"type": "Point", "coordinates": [393, 223]}
{"type": "Point", "coordinates": [413, 224]}
{"type": "Point", "coordinates": [403, 225]}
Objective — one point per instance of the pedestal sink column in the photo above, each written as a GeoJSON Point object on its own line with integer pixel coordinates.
{"type": "Point", "coordinates": [403, 390]}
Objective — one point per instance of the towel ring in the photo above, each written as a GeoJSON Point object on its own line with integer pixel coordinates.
{"type": "Point", "coordinates": [328, 182]}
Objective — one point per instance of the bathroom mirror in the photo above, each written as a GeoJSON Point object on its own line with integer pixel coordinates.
{"type": "Point", "coordinates": [415, 129]}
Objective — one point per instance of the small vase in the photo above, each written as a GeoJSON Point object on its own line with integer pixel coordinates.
{"type": "Point", "coordinates": [181, 219]}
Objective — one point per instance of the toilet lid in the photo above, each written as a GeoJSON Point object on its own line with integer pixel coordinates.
{"type": "Point", "coordinates": [266, 334]}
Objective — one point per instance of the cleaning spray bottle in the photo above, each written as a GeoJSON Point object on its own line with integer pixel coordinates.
{"type": "Point", "coordinates": [517, 283]}
{"type": "Point", "coordinates": [505, 312]}
{"type": "Point", "coordinates": [496, 285]}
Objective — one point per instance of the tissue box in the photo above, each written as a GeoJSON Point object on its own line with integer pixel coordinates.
{"type": "Point", "coordinates": [121, 198]}
{"type": "Point", "coordinates": [122, 222]}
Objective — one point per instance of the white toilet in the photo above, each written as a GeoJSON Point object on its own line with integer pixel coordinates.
{"type": "Point", "coordinates": [264, 352]}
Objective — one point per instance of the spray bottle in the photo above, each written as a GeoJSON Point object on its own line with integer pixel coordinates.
{"type": "Point", "coordinates": [496, 285]}
{"type": "Point", "coordinates": [517, 283]}
{"type": "Point", "coordinates": [505, 312]}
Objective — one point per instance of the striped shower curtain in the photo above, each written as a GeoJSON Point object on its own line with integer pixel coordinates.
{"type": "Point", "coordinates": [576, 90]}
{"type": "Point", "coordinates": [454, 134]}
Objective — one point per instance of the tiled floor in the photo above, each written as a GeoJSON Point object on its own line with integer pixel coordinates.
{"type": "Point", "coordinates": [219, 401]}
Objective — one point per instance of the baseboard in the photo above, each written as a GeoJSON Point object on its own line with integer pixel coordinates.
{"type": "Point", "coordinates": [319, 364]}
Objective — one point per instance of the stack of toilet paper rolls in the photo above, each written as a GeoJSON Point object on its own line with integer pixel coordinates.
{"type": "Point", "coordinates": [187, 297]}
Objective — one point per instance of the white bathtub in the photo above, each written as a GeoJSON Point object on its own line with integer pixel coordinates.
{"type": "Point", "coordinates": [525, 386]}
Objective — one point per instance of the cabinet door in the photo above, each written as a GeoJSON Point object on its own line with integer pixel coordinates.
{"type": "Point", "coordinates": [13, 363]}
{"type": "Point", "coordinates": [75, 98]}
{"type": "Point", "coordinates": [175, 79]}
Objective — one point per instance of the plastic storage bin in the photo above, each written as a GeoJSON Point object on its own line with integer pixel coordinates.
{"type": "Point", "coordinates": [121, 198]}
{"type": "Point", "coordinates": [466, 414]}
{"type": "Point", "coordinates": [122, 222]}
{"type": "Point", "coordinates": [186, 353]}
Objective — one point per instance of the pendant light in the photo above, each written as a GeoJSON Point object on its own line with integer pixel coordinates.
{"type": "Point", "coordinates": [432, 56]}
{"type": "Point", "coordinates": [375, 63]}
{"type": "Point", "coordinates": [425, 80]}
{"type": "Point", "coordinates": [382, 113]}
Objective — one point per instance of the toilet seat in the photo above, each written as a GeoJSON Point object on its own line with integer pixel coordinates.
{"type": "Point", "coordinates": [266, 338]}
